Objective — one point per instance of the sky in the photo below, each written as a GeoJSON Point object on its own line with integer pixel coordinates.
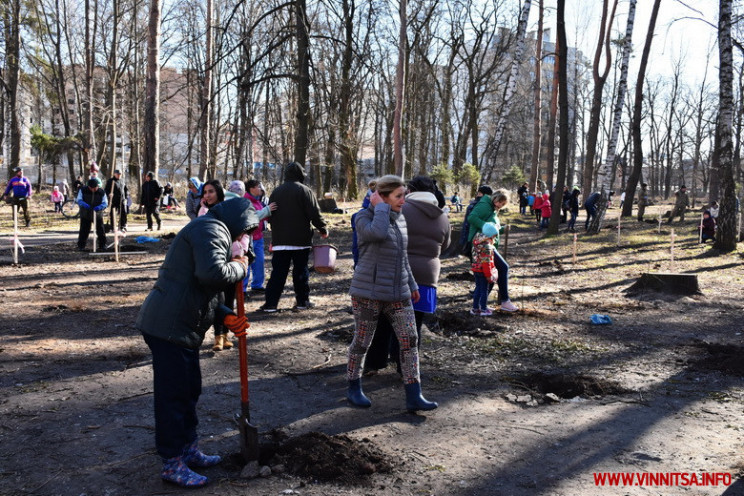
{"type": "Point", "coordinates": [685, 30]}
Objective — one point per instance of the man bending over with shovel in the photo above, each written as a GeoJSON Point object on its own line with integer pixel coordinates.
{"type": "Point", "coordinates": [176, 314]}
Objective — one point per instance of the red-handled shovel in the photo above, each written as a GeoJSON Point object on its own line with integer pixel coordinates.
{"type": "Point", "coordinates": [248, 431]}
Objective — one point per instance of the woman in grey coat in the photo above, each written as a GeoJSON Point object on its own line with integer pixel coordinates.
{"type": "Point", "coordinates": [383, 283]}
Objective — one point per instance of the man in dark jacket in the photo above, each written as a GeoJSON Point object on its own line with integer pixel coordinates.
{"type": "Point", "coordinates": [680, 204]}
{"type": "Point", "coordinates": [522, 193]}
{"type": "Point", "coordinates": [92, 201]}
{"type": "Point", "coordinates": [292, 237]}
{"type": "Point", "coordinates": [176, 314]}
{"type": "Point", "coordinates": [590, 206]}
{"type": "Point", "coordinates": [643, 201]}
{"type": "Point", "coordinates": [151, 192]}
{"type": "Point", "coordinates": [117, 192]}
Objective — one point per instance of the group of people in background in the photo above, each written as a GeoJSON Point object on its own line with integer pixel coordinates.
{"type": "Point", "coordinates": [541, 208]}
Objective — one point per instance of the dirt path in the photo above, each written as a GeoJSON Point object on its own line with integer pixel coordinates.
{"type": "Point", "coordinates": [659, 390]}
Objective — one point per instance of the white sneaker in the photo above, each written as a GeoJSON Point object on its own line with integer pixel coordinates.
{"type": "Point", "coordinates": [508, 306]}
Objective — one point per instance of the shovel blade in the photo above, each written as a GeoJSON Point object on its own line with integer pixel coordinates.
{"type": "Point", "coordinates": [248, 438]}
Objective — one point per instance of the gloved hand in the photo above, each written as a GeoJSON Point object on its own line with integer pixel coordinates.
{"type": "Point", "coordinates": [83, 204]}
{"type": "Point", "coordinates": [98, 208]}
{"type": "Point", "coordinates": [243, 261]}
{"type": "Point", "coordinates": [237, 325]}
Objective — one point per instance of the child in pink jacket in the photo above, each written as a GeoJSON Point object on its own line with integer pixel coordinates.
{"type": "Point", "coordinates": [58, 199]}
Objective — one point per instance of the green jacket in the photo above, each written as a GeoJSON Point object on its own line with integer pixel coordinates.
{"type": "Point", "coordinates": [484, 212]}
{"type": "Point", "coordinates": [181, 306]}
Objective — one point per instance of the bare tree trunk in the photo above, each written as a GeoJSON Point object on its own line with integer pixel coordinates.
{"type": "Point", "coordinates": [563, 125]}
{"type": "Point", "coordinates": [303, 83]}
{"type": "Point", "coordinates": [346, 128]}
{"type": "Point", "coordinates": [635, 173]}
{"type": "Point", "coordinates": [728, 223]}
{"type": "Point", "coordinates": [89, 151]}
{"type": "Point", "coordinates": [113, 83]}
{"type": "Point", "coordinates": [550, 145]}
{"type": "Point", "coordinates": [205, 122]}
{"type": "Point", "coordinates": [13, 53]}
{"type": "Point", "coordinates": [511, 85]}
{"type": "Point", "coordinates": [606, 171]}
{"type": "Point", "coordinates": [599, 81]}
{"type": "Point", "coordinates": [151, 129]}
{"type": "Point", "coordinates": [537, 93]}
{"type": "Point", "coordinates": [400, 81]}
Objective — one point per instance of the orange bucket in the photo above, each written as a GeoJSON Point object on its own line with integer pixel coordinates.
{"type": "Point", "coordinates": [324, 258]}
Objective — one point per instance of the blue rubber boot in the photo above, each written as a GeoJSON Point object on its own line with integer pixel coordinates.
{"type": "Point", "coordinates": [355, 395]}
{"type": "Point", "coordinates": [193, 457]}
{"type": "Point", "coordinates": [414, 400]}
{"type": "Point", "coordinates": [177, 472]}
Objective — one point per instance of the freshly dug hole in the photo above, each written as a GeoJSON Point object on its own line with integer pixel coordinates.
{"type": "Point", "coordinates": [569, 386]}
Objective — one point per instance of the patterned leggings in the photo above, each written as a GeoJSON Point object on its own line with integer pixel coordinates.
{"type": "Point", "coordinates": [401, 316]}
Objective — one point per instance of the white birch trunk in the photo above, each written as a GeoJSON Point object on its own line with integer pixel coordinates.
{"type": "Point", "coordinates": [510, 85]}
{"type": "Point", "coordinates": [605, 172]}
{"type": "Point", "coordinates": [604, 175]}
{"type": "Point", "coordinates": [727, 233]}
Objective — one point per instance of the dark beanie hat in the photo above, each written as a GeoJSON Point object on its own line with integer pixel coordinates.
{"type": "Point", "coordinates": [92, 183]}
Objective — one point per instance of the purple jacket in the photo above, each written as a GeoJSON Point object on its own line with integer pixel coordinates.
{"type": "Point", "coordinates": [21, 187]}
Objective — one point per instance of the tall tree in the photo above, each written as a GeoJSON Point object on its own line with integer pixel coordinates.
{"type": "Point", "coordinates": [537, 92]}
{"type": "Point", "coordinates": [635, 173]}
{"type": "Point", "coordinates": [151, 131]}
{"type": "Point", "coordinates": [91, 27]}
{"type": "Point", "coordinates": [603, 44]}
{"type": "Point", "coordinates": [552, 118]}
{"type": "Point", "coordinates": [511, 85]}
{"type": "Point", "coordinates": [563, 125]}
{"type": "Point", "coordinates": [206, 162]}
{"type": "Point", "coordinates": [728, 225]}
{"type": "Point", "coordinates": [303, 82]}
{"type": "Point", "coordinates": [12, 22]}
{"type": "Point", "coordinates": [400, 84]}
{"type": "Point", "coordinates": [605, 173]}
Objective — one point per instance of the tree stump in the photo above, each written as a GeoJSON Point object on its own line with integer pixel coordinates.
{"type": "Point", "coordinates": [669, 283]}
{"type": "Point", "coordinates": [328, 205]}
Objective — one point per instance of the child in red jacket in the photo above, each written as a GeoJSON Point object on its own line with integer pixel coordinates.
{"type": "Point", "coordinates": [483, 268]}
{"type": "Point", "coordinates": [547, 211]}
{"type": "Point", "coordinates": [537, 206]}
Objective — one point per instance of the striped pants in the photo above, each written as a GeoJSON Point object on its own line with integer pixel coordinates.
{"type": "Point", "coordinates": [401, 316]}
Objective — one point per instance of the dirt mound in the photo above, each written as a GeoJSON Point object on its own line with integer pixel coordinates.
{"type": "Point", "coordinates": [568, 386]}
{"type": "Point", "coordinates": [461, 276]}
{"type": "Point", "coordinates": [330, 458]}
{"type": "Point", "coordinates": [462, 323]}
{"type": "Point", "coordinates": [343, 334]}
{"type": "Point", "coordinates": [723, 358]}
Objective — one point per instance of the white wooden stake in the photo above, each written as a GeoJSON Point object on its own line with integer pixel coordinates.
{"type": "Point", "coordinates": [659, 219]}
{"type": "Point", "coordinates": [95, 237]}
{"type": "Point", "coordinates": [15, 234]}
{"type": "Point", "coordinates": [116, 237]}
{"type": "Point", "coordinates": [700, 234]}
{"type": "Point", "coordinates": [574, 248]}
{"type": "Point", "coordinates": [671, 249]}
